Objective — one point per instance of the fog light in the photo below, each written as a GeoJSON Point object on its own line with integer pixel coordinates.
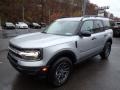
{"type": "Point", "coordinates": [45, 69]}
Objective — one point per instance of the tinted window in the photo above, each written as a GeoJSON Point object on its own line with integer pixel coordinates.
{"type": "Point", "coordinates": [87, 26]}
{"type": "Point", "coordinates": [112, 23]}
{"type": "Point", "coordinates": [118, 24]}
{"type": "Point", "coordinates": [106, 24]}
{"type": "Point", "coordinates": [98, 26]}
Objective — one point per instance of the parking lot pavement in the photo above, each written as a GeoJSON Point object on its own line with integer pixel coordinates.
{"type": "Point", "coordinates": [93, 74]}
{"type": "Point", "coordinates": [0, 33]}
{"type": "Point", "coordinates": [16, 32]}
{"type": "Point", "coordinates": [4, 44]}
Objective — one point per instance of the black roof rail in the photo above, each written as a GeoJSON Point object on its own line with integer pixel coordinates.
{"type": "Point", "coordinates": [85, 16]}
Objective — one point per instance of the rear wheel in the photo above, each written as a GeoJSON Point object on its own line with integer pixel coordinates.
{"type": "Point", "coordinates": [60, 71]}
{"type": "Point", "coordinates": [106, 51]}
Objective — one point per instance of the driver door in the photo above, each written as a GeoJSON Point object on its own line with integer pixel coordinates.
{"type": "Point", "coordinates": [86, 44]}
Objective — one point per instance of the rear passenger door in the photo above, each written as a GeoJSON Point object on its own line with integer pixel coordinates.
{"type": "Point", "coordinates": [98, 35]}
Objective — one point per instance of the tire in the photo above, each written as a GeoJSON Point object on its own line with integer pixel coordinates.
{"type": "Point", "coordinates": [60, 71]}
{"type": "Point", "coordinates": [106, 51]}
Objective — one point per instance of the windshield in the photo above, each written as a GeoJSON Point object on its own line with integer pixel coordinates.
{"type": "Point", "coordinates": [21, 23]}
{"type": "Point", "coordinates": [62, 27]}
{"type": "Point", "coordinates": [36, 24]}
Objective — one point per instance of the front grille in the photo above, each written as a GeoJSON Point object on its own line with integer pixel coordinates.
{"type": "Point", "coordinates": [24, 27]}
{"type": "Point", "coordinates": [13, 51]}
{"type": "Point", "coordinates": [11, 58]}
{"type": "Point", "coordinates": [15, 47]}
{"type": "Point", "coordinates": [14, 54]}
{"type": "Point", "coordinates": [21, 49]}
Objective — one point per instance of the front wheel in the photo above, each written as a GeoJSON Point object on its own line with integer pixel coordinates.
{"type": "Point", "coordinates": [106, 51]}
{"type": "Point", "coordinates": [60, 71]}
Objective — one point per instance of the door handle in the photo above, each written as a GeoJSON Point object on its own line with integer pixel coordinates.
{"type": "Point", "coordinates": [93, 38]}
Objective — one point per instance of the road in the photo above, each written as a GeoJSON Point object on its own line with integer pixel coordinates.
{"type": "Point", "coordinates": [93, 74]}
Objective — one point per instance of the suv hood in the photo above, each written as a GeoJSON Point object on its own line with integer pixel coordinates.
{"type": "Point", "coordinates": [40, 40]}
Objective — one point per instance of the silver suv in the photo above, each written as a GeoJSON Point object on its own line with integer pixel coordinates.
{"type": "Point", "coordinates": [65, 42]}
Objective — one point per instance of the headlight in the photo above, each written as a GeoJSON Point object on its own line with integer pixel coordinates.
{"type": "Point", "coordinates": [30, 55]}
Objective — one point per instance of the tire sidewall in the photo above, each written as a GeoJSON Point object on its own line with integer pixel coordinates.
{"type": "Point", "coordinates": [52, 73]}
{"type": "Point", "coordinates": [103, 54]}
{"type": "Point", "coordinates": [108, 45]}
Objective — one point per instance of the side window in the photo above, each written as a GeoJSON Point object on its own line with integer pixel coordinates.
{"type": "Point", "coordinates": [87, 26]}
{"type": "Point", "coordinates": [98, 26]}
{"type": "Point", "coordinates": [106, 24]}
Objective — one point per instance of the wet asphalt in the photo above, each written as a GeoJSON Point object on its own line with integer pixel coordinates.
{"type": "Point", "coordinates": [92, 74]}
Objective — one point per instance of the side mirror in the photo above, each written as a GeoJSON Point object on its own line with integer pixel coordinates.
{"type": "Point", "coordinates": [86, 33]}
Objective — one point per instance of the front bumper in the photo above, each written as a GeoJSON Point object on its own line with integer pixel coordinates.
{"type": "Point", "coordinates": [27, 70]}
